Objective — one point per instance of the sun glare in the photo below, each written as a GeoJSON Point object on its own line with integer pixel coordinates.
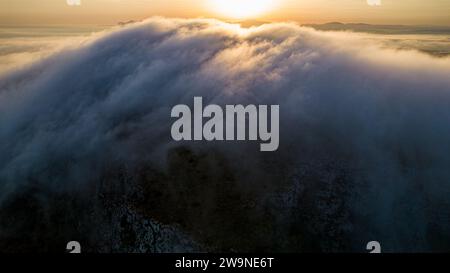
{"type": "Point", "coordinates": [241, 9]}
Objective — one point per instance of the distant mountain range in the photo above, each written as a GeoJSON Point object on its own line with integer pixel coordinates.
{"type": "Point", "coordinates": [381, 29]}
{"type": "Point", "coordinates": [361, 27]}
{"type": "Point", "coordinates": [355, 27]}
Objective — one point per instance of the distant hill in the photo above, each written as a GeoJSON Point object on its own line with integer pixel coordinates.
{"type": "Point", "coordinates": [381, 29]}
{"type": "Point", "coordinates": [127, 22]}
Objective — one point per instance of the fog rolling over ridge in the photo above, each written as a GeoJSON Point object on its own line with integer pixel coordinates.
{"type": "Point", "coordinates": [364, 149]}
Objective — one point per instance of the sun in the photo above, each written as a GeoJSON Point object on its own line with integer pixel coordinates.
{"type": "Point", "coordinates": [241, 9]}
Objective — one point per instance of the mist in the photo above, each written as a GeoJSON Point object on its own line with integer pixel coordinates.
{"type": "Point", "coordinates": [363, 152]}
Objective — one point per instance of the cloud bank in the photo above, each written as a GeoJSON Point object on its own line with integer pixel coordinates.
{"type": "Point", "coordinates": [21, 45]}
{"type": "Point", "coordinates": [364, 148]}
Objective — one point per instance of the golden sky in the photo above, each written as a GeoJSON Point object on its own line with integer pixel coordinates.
{"type": "Point", "coordinates": [423, 12]}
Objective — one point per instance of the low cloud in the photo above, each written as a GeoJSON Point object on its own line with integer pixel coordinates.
{"type": "Point", "coordinates": [350, 110]}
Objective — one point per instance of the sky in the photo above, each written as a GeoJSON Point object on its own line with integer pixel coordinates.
{"type": "Point", "coordinates": [408, 12]}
